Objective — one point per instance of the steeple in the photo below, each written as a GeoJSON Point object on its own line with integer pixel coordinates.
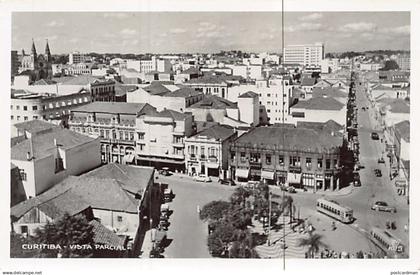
{"type": "Point", "coordinates": [33, 50]}
{"type": "Point", "coordinates": [47, 52]}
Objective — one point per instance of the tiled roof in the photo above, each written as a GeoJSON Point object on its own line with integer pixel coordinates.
{"type": "Point", "coordinates": [399, 106]}
{"type": "Point", "coordinates": [66, 202]}
{"type": "Point", "coordinates": [320, 103]}
{"type": "Point", "coordinates": [111, 107]}
{"type": "Point", "coordinates": [299, 139]}
{"type": "Point", "coordinates": [103, 235]}
{"type": "Point", "coordinates": [329, 92]}
{"type": "Point", "coordinates": [328, 127]}
{"type": "Point", "coordinates": [191, 70]}
{"type": "Point", "coordinates": [306, 81]}
{"type": "Point", "coordinates": [248, 95]}
{"type": "Point", "coordinates": [133, 178]}
{"type": "Point", "coordinates": [183, 92]}
{"type": "Point", "coordinates": [121, 89]}
{"type": "Point", "coordinates": [156, 88]}
{"type": "Point", "coordinates": [214, 102]}
{"type": "Point", "coordinates": [403, 129]}
{"type": "Point", "coordinates": [203, 125]}
{"type": "Point", "coordinates": [172, 114]}
{"type": "Point", "coordinates": [34, 126]}
{"type": "Point", "coordinates": [43, 144]}
{"type": "Point", "coordinates": [218, 132]}
{"type": "Point", "coordinates": [84, 80]}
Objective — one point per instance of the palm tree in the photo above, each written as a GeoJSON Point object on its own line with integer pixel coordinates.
{"type": "Point", "coordinates": [313, 242]}
{"type": "Point", "coordinates": [287, 206]}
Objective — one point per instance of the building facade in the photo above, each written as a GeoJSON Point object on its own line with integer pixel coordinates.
{"type": "Point", "coordinates": [77, 57]}
{"type": "Point", "coordinates": [299, 157]}
{"type": "Point", "coordinates": [304, 54]}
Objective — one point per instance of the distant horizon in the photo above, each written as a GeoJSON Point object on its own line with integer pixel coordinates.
{"type": "Point", "coordinates": [208, 32]}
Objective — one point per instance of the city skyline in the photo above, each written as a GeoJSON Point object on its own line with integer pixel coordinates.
{"type": "Point", "coordinates": [191, 32]}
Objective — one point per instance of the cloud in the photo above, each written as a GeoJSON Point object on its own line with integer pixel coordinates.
{"type": "Point", "coordinates": [358, 27]}
{"type": "Point", "coordinates": [402, 30]}
{"type": "Point", "coordinates": [128, 31]}
{"type": "Point", "coordinates": [311, 17]}
{"type": "Point", "coordinates": [118, 15]}
{"type": "Point", "coordinates": [177, 30]}
{"type": "Point", "coordinates": [304, 27]}
{"type": "Point", "coordinates": [54, 23]}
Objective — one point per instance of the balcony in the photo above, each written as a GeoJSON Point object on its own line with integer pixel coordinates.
{"type": "Point", "coordinates": [212, 159]}
{"type": "Point", "coordinates": [255, 164]}
{"type": "Point", "coordinates": [193, 157]}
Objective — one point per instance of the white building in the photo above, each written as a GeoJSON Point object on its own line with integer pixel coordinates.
{"type": "Point", "coordinates": [310, 54]}
{"type": "Point", "coordinates": [329, 65]}
{"type": "Point", "coordinates": [77, 57]}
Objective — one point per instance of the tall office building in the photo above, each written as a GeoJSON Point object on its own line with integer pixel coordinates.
{"type": "Point", "coordinates": [310, 54]}
{"type": "Point", "coordinates": [77, 57]}
{"type": "Point", "coordinates": [403, 62]}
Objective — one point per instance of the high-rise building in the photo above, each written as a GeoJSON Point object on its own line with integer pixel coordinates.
{"type": "Point", "coordinates": [403, 62]}
{"type": "Point", "coordinates": [310, 54]}
{"type": "Point", "coordinates": [77, 57]}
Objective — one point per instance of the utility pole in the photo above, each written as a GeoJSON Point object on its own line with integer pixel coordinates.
{"type": "Point", "coordinates": [269, 217]}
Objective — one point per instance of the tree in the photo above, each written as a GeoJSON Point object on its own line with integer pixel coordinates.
{"type": "Point", "coordinates": [214, 210]}
{"type": "Point", "coordinates": [16, 246]}
{"type": "Point", "coordinates": [313, 242]}
{"type": "Point", "coordinates": [390, 65]}
{"type": "Point", "coordinates": [66, 231]}
{"type": "Point", "coordinates": [240, 195]}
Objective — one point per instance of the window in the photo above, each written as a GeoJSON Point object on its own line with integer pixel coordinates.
{"type": "Point", "coordinates": [25, 108]}
{"type": "Point", "coordinates": [11, 107]}
{"type": "Point", "coordinates": [101, 133]}
{"type": "Point", "coordinates": [59, 166]}
{"type": "Point", "coordinates": [121, 133]}
{"type": "Point", "coordinates": [34, 117]}
{"type": "Point", "coordinates": [268, 95]}
{"type": "Point", "coordinates": [232, 156]}
{"type": "Point", "coordinates": [23, 175]}
{"type": "Point", "coordinates": [24, 229]}
{"type": "Point", "coordinates": [294, 161]}
{"type": "Point", "coordinates": [12, 117]}
{"type": "Point", "coordinates": [255, 157]}
{"type": "Point", "coordinates": [17, 107]}
{"type": "Point", "coordinates": [268, 159]}
{"type": "Point", "coordinates": [131, 135]}
{"type": "Point", "coordinates": [281, 160]}
{"type": "Point", "coordinates": [319, 165]}
{"type": "Point", "coordinates": [308, 163]}
{"type": "Point", "coordinates": [243, 158]}
{"type": "Point", "coordinates": [106, 133]}
{"type": "Point", "coordinates": [114, 135]}
{"type": "Point", "coordinates": [25, 118]}
{"type": "Point", "coordinates": [327, 163]}
{"type": "Point", "coordinates": [119, 218]}
{"type": "Point", "coordinates": [268, 111]}
{"type": "Point", "coordinates": [34, 108]}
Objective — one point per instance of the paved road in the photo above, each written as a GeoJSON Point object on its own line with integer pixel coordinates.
{"type": "Point", "coordinates": [187, 231]}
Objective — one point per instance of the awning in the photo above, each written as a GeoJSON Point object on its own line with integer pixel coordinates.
{"type": "Point", "coordinates": [242, 173]}
{"type": "Point", "coordinates": [293, 178]}
{"type": "Point", "coordinates": [267, 175]}
{"type": "Point", "coordinates": [128, 158]}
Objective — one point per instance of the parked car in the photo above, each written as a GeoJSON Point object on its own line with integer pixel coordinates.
{"type": "Point", "coordinates": [227, 182]}
{"type": "Point", "coordinates": [378, 172]}
{"type": "Point", "coordinates": [202, 178]}
{"type": "Point", "coordinates": [381, 160]}
{"type": "Point", "coordinates": [165, 171]}
{"type": "Point", "coordinates": [167, 194]}
{"type": "Point", "coordinates": [383, 206]}
{"type": "Point", "coordinates": [374, 136]}
{"type": "Point", "coordinates": [291, 190]}
{"type": "Point", "coordinates": [356, 179]}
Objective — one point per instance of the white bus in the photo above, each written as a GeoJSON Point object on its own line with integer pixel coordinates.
{"type": "Point", "coordinates": [333, 209]}
{"type": "Point", "coordinates": [386, 241]}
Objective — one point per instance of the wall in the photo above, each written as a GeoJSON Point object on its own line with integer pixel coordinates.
{"type": "Point", "coordinates": [405, 150]}
{"type": "Point", "coordinates": [319, 115]}
{"type": "Point", "coordinates": [109, 218]}
{"type": "Point", "coordinates": [249, 110]}
{"type": "Point", "coordinates": [29, 184]}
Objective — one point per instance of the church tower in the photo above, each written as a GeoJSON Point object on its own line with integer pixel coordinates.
{"type": "Point", "coordinates": [33, 51]}
{"type": "Point", "coordinates": [47, 52]}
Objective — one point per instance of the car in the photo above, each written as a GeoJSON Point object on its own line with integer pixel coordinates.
{"type": "Point", "coordinates": [363, 108]}
{"type": "Point", "coordinates": [291, 190]}
{"type": "Point", "coordinates": [381, 160]}
{"type": "Point", "coordinates": [165, 171]}
{"type": "Point", "coordinates": [378, 173]}
{"type": "Point", "coordinates": [383, 206]}
{"type": "Point", "coordinates": [227, 182]}
{"type": "Point", "coordinates": [374, 136]}
{"type": "Point", "coordinates": [202, 178]}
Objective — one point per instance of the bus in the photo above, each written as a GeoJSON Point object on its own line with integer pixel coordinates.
{"type": "Point", "coordinates": [334, 210]}
{"type": "Point", "coordinates": [387, 242]}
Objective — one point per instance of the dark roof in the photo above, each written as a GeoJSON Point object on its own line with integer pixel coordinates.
{"type": "Point", "coordinates": [156, 88]}
{"type": "Point", "coordinates": [319, 103]}
{"type": "Point", "coordinates": [66, 202]}
{"type": "Point", "coordinates": [399, 106]}
{"type": "Point", "coordinates": [172, 114]}
{"type": "Point", "coordinates": [133, 178]}
{"type": "Point", "coordinates": [111, 107]}
{"type": "Point", "coordinates": [43, 144]}
{"type": "Point", "coordinates": [203, 125]}
{"type": "Point", "coordinates": [83, 80]}
{"type": "Point", "coordinates": [403, 129]}
{"type": "Point", "coordinates": [306, 81]}
{"type": "Point", "coordinates": [191, 70]}
{"type": "Point", "coordinates": [299, 139]}
{"type": "Point", "coordinates": [248, 95]}
{"type": "Point", "coordinates": [35, 126]}
{"type": "Point", "coordinates": [121, 89]}
{"type": "Point", "coordinates": [183, 92]}
{"type": "Point", "coordinates": [218, 132]}
{"type": "Point", "coordinates": [329, 92]}
{"type": "Point", "coordinates": [214, 102]}
{"type": "Point", "coordinates": [103, 235]}
{"type": "Point", "coordinates": [209, 79]}
{"type": "Point", "coordinates": [328, 127]}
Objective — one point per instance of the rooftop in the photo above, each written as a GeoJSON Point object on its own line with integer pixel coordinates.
{"type": "Point", "coordinates": [217, 132]}
{"type": "Point", "coordinates": [172, 114]}
{"type": "Point", "coordinates": [156, 88]}
{"type": "Point", "coordinates": [403, 129]}
{"type": "Point", "coordinates": [287, 138]}
{"type": "Point", "coordinates": [320, 103]}
{"type": "Point", "coordinates": [183, 92]}
{"type": "Point", "coordinates": [248, 95]}
{"type": "Point", "coordinates": [329, 92]}
{"type": "Point", "coordinates": [214, 102]}
{"type": "Point", "coordinates": [105, 236]}
{"type": "Point", "coordinates": [306, 81]}
{"type": "Point", "coordinates": [111, 107]}
{"type": "Point", "coordinates": [35, 126]}
{"type": "Point", "coordinates": [43, 144]}
{"type": "Point", "coordinates": [82, 80]}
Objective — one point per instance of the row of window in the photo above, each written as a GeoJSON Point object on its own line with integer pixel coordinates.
{"type": "Point", "coordinates": [51, 105]}
{"type": "Point", "coordinates": [293, 160]}
{"type": "Point", "coordinates": [211, 151]}
{"type": "Point", "coordinates": [25, 118]}
{"type": "Point", "coordinates": [121, 135]}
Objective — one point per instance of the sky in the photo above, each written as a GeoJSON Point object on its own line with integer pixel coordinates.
{"type": "Point", "coordinates": [191, 32]}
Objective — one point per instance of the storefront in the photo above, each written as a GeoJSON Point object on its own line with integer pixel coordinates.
{"type": "Point", "coordinates": [268, 176]}
{"type": "Point", "coordinates": [242, 174]}
{"type": "Point", "coordinates": [294, 179]}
